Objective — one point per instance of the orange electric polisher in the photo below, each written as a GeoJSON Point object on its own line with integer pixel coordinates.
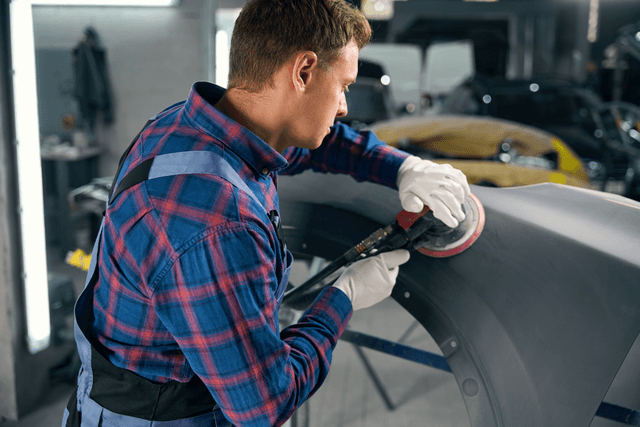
{"type": "Point", "coordinates": [412, 231]}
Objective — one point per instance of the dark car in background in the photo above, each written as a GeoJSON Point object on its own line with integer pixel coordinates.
{"type": "Point", "coordinates": [562, 108]}
{"type": "Point", "coordinates": [369, 99]}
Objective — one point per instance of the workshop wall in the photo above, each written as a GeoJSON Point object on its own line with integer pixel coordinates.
{"type": "Point", "coordinates": [153, 58]}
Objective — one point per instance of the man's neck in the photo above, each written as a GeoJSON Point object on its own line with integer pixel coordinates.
{"type": "Point", "coordinates": [261, 113]}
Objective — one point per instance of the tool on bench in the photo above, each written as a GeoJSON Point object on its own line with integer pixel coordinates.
{"type": "Point", "coordinates": [412, 231]}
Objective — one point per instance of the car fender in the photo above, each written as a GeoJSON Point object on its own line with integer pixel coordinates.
{"type": "Point", "coordinates": [536, 317]}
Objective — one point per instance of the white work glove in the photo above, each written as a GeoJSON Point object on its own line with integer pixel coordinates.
{"type": "Point", "coordinates": [369, 281]}
{"type": "Point", "coordinates": [441, 187]}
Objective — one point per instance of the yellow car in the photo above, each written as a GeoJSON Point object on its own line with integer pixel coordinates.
{"type": "Point", "coordinates": [488, 151]}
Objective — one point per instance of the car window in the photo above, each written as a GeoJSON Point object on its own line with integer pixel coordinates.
{"type": "Point", "coordinates": [461, 101]}
{"type": "Point", "coordinates": [366, 103]}
{"type": "Point", "coordinates": [402, 63]}
{"type": "Point", "coordinates": [447, 64]}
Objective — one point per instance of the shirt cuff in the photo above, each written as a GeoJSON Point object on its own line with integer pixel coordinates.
{"type": "Point", "coordinates": [393, 160]}
{"type": "Point", "coordinates": [333, 308]}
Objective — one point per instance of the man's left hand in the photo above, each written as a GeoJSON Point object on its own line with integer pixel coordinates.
{"type": "Point", "coordinates": [440, 187]}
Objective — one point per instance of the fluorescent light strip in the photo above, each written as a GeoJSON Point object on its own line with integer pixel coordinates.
{"type": "Point", "coordinates": [34, 258]}
{"type": "Point", "coordinates": [125, 3]}
{"type": "Point", "coordinates": [592, 33]}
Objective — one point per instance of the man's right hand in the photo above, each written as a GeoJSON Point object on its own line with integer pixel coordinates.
{"type": "Point", "coordinates": [369, 281]}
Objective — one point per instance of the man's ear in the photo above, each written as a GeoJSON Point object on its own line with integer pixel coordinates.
{"type": "Point", "coordinates": [304, 66]}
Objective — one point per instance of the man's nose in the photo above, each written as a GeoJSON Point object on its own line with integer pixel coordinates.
{"type": "Point", "coordinates": [342, 106]}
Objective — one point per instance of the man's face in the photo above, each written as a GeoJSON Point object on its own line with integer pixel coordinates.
{"type": "Point", "coordinates": [325, 99]}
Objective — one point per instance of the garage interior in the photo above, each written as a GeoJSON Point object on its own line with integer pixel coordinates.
{"type": "Point", "coordinates": [587, 52]}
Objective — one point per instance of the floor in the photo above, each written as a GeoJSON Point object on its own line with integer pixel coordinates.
{"type": "Point", "coordinates": [422, 396]}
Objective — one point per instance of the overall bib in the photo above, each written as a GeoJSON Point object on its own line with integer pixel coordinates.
{"type": "Point", "coordinates": [109, 396]}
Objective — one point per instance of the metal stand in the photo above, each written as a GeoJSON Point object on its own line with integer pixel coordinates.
{"type": "Point", "coordinates": [360, 340]}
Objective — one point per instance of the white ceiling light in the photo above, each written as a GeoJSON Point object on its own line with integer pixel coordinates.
{"type": "Point", "coordinates": [377, 9]}
{"type": "Point", "coordinates": [125, 3]}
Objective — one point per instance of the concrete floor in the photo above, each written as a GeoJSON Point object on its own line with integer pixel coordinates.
{"type": "Point", "coordinates": [422, 396]}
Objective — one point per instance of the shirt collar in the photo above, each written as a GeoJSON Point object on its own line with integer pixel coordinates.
{"type": "Point", "coordinates": [253, 150]}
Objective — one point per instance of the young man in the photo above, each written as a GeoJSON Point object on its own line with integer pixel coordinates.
{"type": "Point", "coordinates": [178, 322]}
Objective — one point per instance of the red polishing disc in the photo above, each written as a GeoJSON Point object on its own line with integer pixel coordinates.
{"type": "Point", "coordinates": [445, 242]}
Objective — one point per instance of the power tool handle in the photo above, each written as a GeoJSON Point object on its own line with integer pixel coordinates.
{"type": "Point", "coordinates": [407, 219]}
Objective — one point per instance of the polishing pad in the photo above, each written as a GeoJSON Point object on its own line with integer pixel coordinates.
{"type": "Point", "coordinates": [440, 241]}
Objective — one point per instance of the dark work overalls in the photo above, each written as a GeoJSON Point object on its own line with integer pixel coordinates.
{"type": "Point", "coordinates": [109, 396]}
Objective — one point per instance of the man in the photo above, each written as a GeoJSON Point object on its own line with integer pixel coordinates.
{"type": "Point", "coordinates": [178, 322]}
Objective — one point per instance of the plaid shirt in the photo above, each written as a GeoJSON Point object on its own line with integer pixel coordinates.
{"type": "Point", "coordinates": [188, 265]}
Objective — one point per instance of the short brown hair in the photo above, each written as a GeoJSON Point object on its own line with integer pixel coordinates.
{"type": "Point", "coordinates": [268, 32]}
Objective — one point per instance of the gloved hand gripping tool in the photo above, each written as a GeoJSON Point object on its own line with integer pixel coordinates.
{"type": "Point", "coordinates": [420, 232]}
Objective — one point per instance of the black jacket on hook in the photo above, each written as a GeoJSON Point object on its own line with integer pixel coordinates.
{"type": "Point", "coordinates": [92, 88]}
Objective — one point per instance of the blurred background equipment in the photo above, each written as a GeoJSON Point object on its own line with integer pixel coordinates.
{"type": "Point", "coordinates": [369, 99]}
{"type": "Point", "coordinates": [560, 107]}
{"type": "Point", "coordinates": [490, 152]}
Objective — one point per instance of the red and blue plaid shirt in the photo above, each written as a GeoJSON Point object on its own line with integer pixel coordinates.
{"type": "Point", "coordinates": [188, 270]}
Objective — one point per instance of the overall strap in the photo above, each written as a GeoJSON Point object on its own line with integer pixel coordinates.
{"type": "Point", "coordinates": [180, 163]}
{"type": "Point", "coordinates": [187, 162]}
{"type": "Point", "coordinates": [127, 151]}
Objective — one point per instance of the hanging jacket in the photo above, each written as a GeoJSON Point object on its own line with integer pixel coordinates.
{"type": "Point", "coordinates": [92, 88]}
